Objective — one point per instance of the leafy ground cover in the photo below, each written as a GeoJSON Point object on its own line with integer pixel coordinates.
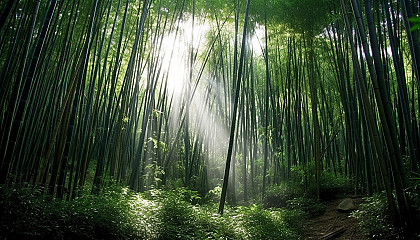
{"type": "Point", "coordinates": [119, 213]}
{"type": "Point", "coordinates": [375, 221]}
{"type": "Point", "coordinates": [287, 212]}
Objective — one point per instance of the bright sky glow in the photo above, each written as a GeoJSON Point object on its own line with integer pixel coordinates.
{"type": "Point", "coordinates": [176, 62]}
{"type": "Point", "coordinates": [257, 40]}
{"type": "Point", "coordinates": [178, 47]}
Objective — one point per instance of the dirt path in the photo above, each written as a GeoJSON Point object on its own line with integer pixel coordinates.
{"type": "Point", "coordinates": [334, 224]}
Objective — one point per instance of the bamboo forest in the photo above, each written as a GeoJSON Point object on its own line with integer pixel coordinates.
{"type": "Point", "coordinates": [209, 119]}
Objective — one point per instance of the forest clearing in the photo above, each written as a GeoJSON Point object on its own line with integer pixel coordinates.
{"type": "Point", "coordinates": [209, 119]}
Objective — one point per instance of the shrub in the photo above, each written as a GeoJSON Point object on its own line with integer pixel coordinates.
{"type": "Point", "coordinates": [182, 194]}
{"type": "Point", "coordinates": [373, 216]}
{"type": "Point", "coordinates": [26, 213]}
{"type": "Point", "coordinates": [263, 224]}
{"type": "Point", "coordinates": [413, 193]}
{"type": "Point", "coordinates": [309, 206]}
{"type": "Point", "coordinates": [108, 215]}
{"type": "Point", "coordinates": [213, 195]}
{"type": "Point", "coordinates": [331, 186]}
{"type": "Point", "coordinates": [178, 219]}
{"type": "Point", "coordinates": [278, 195]}
{"type": "Point", "coordinates": [22, 212]}
{"type": "Point", "coordinates": [216, 226]}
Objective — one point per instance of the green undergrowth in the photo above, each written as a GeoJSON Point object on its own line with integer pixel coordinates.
{"type": "Point", "coordinates": [311, 207]}
{"type": "Point", "coordinates": [278, 195]}
{"type": "Point", "coordinates": [374, 217]}
{"type": "Point", "coordinates": [118, 213]}
{"type": "Point", "coordinates": [332, 186]}
{"type": "Point", "coordinates": [294, 195]}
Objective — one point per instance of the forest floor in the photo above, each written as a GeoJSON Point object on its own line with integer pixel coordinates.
{"type": "Point", "coordinates": [334, 224]}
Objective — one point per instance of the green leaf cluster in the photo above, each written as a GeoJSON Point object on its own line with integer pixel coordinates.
{"type": "Point", "coordinates": [415, 23]}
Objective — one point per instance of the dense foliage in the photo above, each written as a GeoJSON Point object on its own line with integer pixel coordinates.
{"type": "Point", "coordinates": [283, 103]}
{"type": "Point", "coordinates": [374, 216]}
{"type": "Point", "coordinates": [119, 213]}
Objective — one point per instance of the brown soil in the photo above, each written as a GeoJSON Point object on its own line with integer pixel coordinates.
{"type": "Point", "coordinates": [334, 224]}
